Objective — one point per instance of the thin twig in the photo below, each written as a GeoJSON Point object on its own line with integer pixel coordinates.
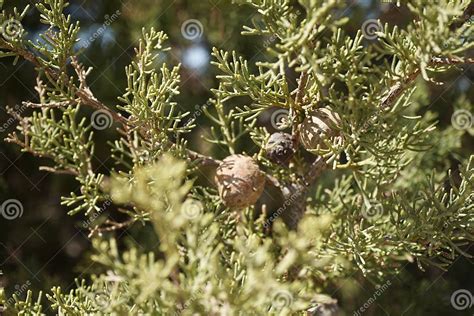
{"type": "Point", "coordinates": [398, 88]}
{"type": "Point", "coordinates": [315, 170]}
{"type": "Point", "coordinates": [294, 111]}
{"type": "Point", "coordinates": [112, 226]}
{"type": "Point", "coordinates": [70, 172]}
{"type": "Point", "coordinates": [86, 96]}
{"type": "Point", "coordinates": [303, 81]}
{"type": "Point", "coordinates": [203, 159]}
{"type": "Point", "coordinates": [47, 105]}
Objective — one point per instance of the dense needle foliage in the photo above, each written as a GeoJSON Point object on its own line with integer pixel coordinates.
{"type": "Point", "coordinates": [372, 197]}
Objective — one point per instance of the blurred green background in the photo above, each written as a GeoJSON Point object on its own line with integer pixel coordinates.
{"type": "Point", "coordinates": [46, 247]}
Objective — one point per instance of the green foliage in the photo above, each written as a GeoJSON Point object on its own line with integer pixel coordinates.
{"type": "Point", "coordinates": [389, 203]}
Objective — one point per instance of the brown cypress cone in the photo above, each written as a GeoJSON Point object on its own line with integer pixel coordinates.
{"type": "Point", "coordinates": [320, 125]}
{"type": "Point", "coordinates": [279, 148]}
{"type": "Point", "coordinates": [240, 181]}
